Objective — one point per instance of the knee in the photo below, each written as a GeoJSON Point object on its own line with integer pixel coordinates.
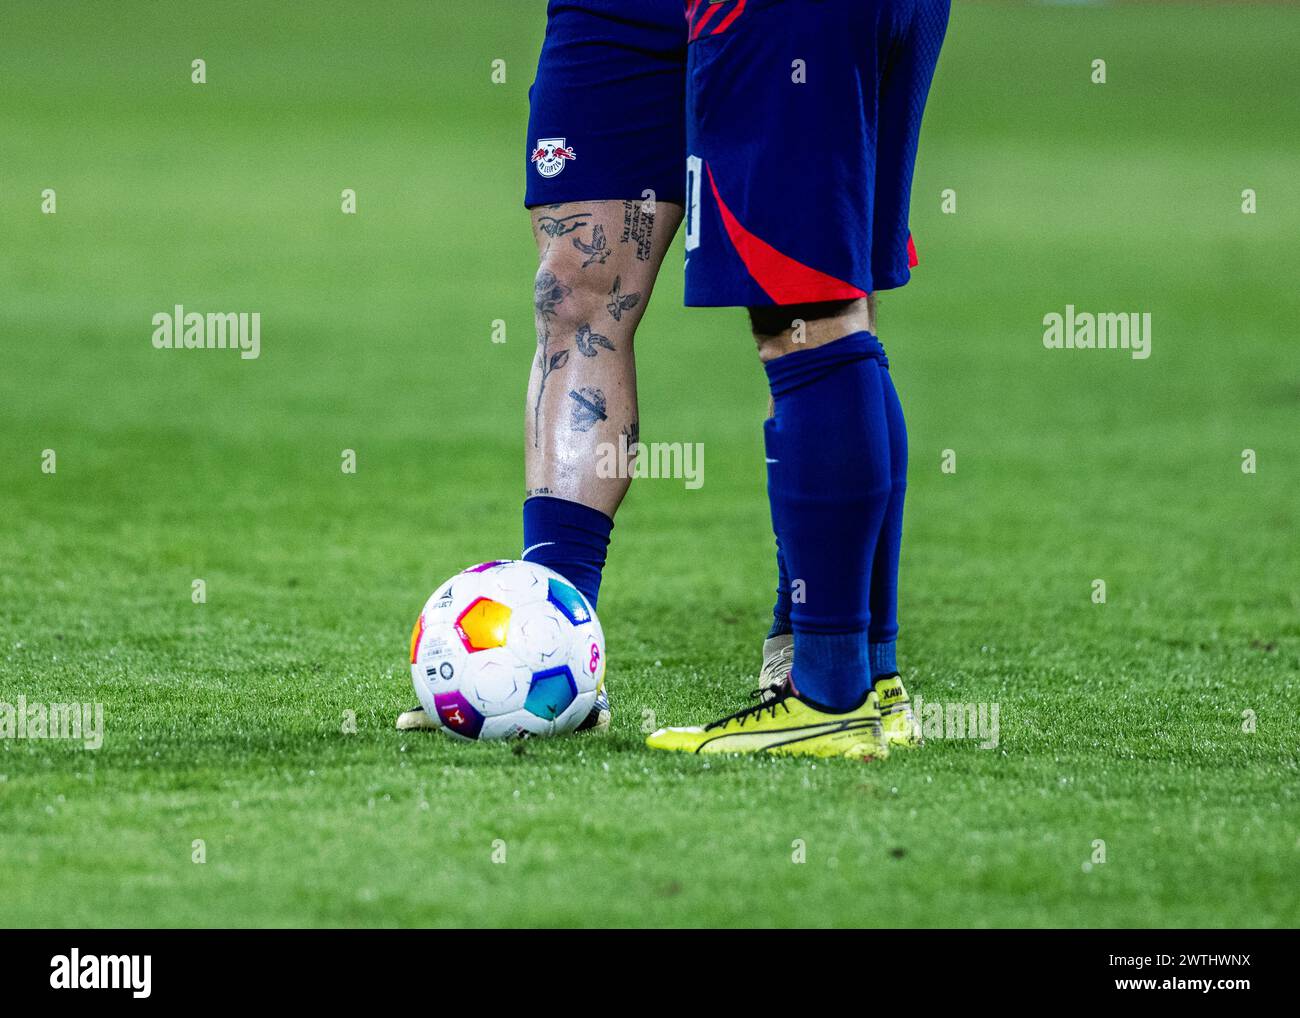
{"type": "Point", "coordinates": [780, 329]}
{"type": "Point", "coordinates": [565, 295]}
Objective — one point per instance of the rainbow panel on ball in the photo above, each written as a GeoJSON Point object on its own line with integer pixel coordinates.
{"type": "Point", "coordinates": [483, 625]}
{"type": "Point", "coordinates": [551, 693]}
{"type": "Point", "coordinates": [567, 598]}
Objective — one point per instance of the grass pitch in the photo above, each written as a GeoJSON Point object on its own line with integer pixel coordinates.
{"type": "Point", "coordinates": [1119, 723]}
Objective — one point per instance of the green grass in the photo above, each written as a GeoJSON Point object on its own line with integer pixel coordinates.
{"type": "Point", "coordinates": [1120, 722]}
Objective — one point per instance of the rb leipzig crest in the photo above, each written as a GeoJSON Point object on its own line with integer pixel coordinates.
{"type": "Point", "coordinates": [550, 155]}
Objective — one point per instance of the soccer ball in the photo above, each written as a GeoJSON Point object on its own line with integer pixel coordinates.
{"type": "Point", "coordinates": [505, 650]}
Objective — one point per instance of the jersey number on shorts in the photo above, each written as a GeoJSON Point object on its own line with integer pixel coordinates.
{"type": "Point", "coordinates": [694, 168]}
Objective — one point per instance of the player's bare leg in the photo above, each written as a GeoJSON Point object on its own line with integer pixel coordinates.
{"type": "Point", "coordinates": [597, 266]}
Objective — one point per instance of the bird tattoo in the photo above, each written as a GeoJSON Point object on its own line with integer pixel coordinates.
{"type": "Point", "coordinates": [598, 250]}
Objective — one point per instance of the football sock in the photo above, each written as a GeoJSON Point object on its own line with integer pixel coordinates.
{"type": "Point", "coordinates": [781, 610]}
{"type": "Point", "coordinates": [884, 659]}
{"type": "Point", "coordinates": [570, 538]}
{"type": "Point", "coordinates": [883, 630]}
{"type": "Point", "coordinates": [829, 488]}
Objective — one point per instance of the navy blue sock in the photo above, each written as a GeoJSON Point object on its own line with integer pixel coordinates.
{"type": "Point", "coordinates": [884, 658]}
{"type": "Point", "coordinates": [781, 610]}
{"type": "Point", "coordinates": [829, 487]}
{"type": "Point", "coordinates": [883, 631]}
{"type": "Point", "coordinates": [570, 538]}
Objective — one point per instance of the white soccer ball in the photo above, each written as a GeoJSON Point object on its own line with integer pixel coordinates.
{"type": "Point", "coordinates": [505, 650]}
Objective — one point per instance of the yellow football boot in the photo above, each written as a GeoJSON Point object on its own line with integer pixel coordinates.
{"type": "Point", "coordinates": [785, 725]}
{"type": "Point", "coordinates": [900, 726]}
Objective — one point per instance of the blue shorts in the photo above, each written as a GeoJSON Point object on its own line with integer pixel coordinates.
{"type": "Point", "coordinates": [802, 125]}
{"type": "Point", "coordinates": [607, 108]}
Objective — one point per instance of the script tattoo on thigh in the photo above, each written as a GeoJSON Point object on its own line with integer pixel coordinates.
{"type": "Point", "coordinates": [588, 408]}
{"type": "Point", "coordinates": [548, 294]}
{"type": "Point", "coordinates": [638, 228]}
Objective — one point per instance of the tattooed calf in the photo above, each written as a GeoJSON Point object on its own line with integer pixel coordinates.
{"type": "Point", "coordinates": [588, 408]}
{"type": "Point", "coordinates": [548, 294]}
{"type": "Point", "coordinates": [588, 341]}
